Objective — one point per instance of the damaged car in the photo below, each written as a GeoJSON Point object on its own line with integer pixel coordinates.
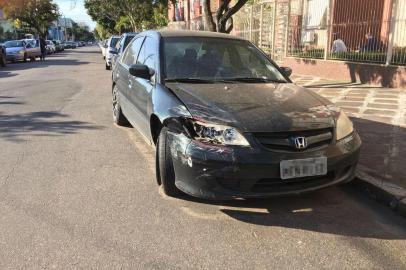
{"type": "Point", "coordinates": [226, 121]}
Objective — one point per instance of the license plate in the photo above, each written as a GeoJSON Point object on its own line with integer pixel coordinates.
{"type": "Point", "coordinates": [303, 167]}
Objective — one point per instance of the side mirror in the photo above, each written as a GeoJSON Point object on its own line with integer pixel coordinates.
{"type": "Point", "coordinates": [287, 71]}
{"type": "Point", "coordinates": [141, 71]}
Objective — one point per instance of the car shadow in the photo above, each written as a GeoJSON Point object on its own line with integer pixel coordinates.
{"type": "Point", "coordinates": [17, 127]}
{"type": "Point", "coordinates": [342, 210]}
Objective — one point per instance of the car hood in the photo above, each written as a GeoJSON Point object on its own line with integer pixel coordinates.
{"type": "Point", "coordinates": [262, 107]}
{"type": "Point", "coordinates": [14, 49]}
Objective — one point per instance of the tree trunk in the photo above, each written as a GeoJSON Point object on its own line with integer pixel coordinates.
{"type": "Point", "coordinates": [208, 21]}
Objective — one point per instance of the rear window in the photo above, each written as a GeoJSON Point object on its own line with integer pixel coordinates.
{"type": "Point", "coordinates": [114, 41]}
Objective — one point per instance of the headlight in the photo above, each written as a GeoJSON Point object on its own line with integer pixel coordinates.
{"type": "Point", "coordinates": [21, 52]}
{"type": "Point", "coordinates": [344, 126]}
{"type": "Point", "coordinates": [218, 134]}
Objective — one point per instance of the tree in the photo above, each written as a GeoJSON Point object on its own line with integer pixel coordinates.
{"type": "Point", "coordinates": [224, 13]}
{"type": "Point", "coordinates": [134, 15]}
{"type": "Point", "coordinates": [82, 32]}
{"type": "Point", "coordinates": [104, 12]}
{"type": "Point", "coordinates": [37, 14]}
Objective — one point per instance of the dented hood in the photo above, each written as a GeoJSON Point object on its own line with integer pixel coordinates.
{"type": "Point", "coordinates": [261, 107]}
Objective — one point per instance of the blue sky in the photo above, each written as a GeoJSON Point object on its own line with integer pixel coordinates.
{"type": "Point", "coordinates": [75, 10]}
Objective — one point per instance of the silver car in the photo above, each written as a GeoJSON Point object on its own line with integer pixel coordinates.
{"type": "Point", "coordinates": [21, 50]}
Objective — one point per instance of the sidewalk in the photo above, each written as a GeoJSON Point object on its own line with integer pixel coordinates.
{"type": "Point", "coordinates": [379, 114]}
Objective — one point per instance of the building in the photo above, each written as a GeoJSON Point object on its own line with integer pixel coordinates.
{"type": "Point", "coordinates": [61, 29]}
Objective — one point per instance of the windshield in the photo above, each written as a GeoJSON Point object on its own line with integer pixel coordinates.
{"type": "Point", "coordinates": [215, 59]}
{"type": "Point", "coordinates": [113, 42]}
{"type": "Point", "coordinates": [14, 43]}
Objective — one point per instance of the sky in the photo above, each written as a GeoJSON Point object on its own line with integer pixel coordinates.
{"type": "Point", "coordinates": [75, 10]}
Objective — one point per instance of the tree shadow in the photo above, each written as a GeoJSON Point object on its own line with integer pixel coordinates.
{"type": "Point", "coordinates": [6, 74]}
{"type": "Point", "coordinates": [43, 64]}
{"type": "Point", "coordinates": [342, 211]}
{"type": "Point", "coordinates": [8, 100]}
{"type": "Point", "coordinates": [15, 127]}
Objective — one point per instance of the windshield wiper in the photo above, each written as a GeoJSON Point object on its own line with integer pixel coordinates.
{"type": "Point", "coordinates": [255, 80]}
{"type": "Point", "coordinates": [189, 80]}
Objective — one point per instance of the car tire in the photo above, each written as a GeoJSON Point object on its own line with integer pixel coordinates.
{"type": "Point", "coordinates": [165, 170]}
{"type": "Point", "coordinates": [118, 116]}
{"type": "Point", "coordinates": [108, 67]}
{"type": "Point", "coordinates": [25, 58]}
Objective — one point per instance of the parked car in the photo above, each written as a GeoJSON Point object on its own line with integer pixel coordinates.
{"type": "Point", "coordinates": [227, 121]}
{"type": "Point", "coordinates": [59, 46]}
{"type": "Point", "coordinates": [103, 48]}
{"type": "Point", "coordinates": [21, 50]}
{"type": "Point", "coordinates": [3, 60]}
{"type": "Point", "coordinates": [50, 46]}
{"type": "Point", "coordinates": [117, 51]}
{"type": "Point", "coordinates": [110, 44]}
{"type": "Point", "coordinates": [70, 45]}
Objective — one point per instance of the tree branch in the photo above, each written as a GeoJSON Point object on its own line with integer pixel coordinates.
{"type": "Point", "coordinates": [234, 9]}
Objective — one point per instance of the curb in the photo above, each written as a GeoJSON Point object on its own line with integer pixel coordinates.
{"type": "Point", "coordinates": [383, 195]}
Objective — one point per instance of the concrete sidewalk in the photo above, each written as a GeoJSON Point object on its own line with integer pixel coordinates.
{"type": "Point", "coordinates": [379, 114]}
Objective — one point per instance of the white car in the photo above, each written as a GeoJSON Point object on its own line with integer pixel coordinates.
{"type": "Point", "coordinates": [102, 45]}
{"type": "Point", "coordinates": [50, 47]}
{"type": "Point", "coordinates": [110, 46]}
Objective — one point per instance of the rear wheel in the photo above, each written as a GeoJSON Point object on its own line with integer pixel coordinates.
{"type": "Point", "coordinates": [165, 172]}
{"type": "Point", "coordinates": [118, 116]}
{"type": "Point", "coordinates": [108, 67]}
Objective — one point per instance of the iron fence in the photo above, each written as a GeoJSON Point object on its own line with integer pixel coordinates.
{"type": "Point", "coordinates": [371, 31]}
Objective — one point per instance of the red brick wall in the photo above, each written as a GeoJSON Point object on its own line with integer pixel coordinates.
{"type": "Point", "coordinates": [388, 76]}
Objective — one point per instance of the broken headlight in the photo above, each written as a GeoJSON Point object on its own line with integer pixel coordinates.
{"type": "Point", "coordinates": [344, 126]}
{"type": "Point", "coordinates": [218, 134]}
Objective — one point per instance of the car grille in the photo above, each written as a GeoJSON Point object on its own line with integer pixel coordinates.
{"type": "Point", "coordinates": [281, 141]}
{"type": "Point", "coordinates": [279, 185]}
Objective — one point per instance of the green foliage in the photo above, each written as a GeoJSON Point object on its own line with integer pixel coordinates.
{"type": "Point", "coordinates": [82, 33]}
{"type": "Point", "coordinates": [37, 14]}
{"type": "Point", "coordinates": [128, 15]}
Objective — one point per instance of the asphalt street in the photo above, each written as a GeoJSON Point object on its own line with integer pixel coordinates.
{"type": "Point", "coordinates": [78, 192]}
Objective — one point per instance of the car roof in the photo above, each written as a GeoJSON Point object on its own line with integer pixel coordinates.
{"type": "Point", "coordinates": [188, 33]}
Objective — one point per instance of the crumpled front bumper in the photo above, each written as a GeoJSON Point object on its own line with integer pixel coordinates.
{"type": "Point", "coordinates": [227, 172]}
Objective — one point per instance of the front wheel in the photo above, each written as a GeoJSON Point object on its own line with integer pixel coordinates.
{"type": "Point", "coordinates": [165, 172]}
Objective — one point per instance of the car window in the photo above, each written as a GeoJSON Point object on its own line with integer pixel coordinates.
{"type": "Point", "coordinates": [131, 54]}
{"type": "Point", "coordinates": [148, 49]}
{"type": "Point", "coordinates": [148, 55]}
{"type": "Point", "coordinates": [127, 41]}
{"type": "Point", "coordinates": [216, 59]}
{"type": "Point", "coordinates": [119, 44]}
{"type": "Point", "coordinates": [114, 41]}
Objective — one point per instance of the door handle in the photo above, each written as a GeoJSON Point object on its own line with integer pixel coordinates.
{"type": "Point", "coordinates": [130, 84]}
